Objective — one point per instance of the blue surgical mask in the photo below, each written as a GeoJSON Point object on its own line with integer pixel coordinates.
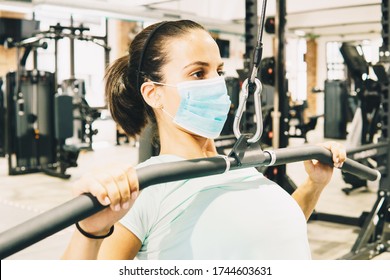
{"type": "Point", "coordinates": [204, 106]}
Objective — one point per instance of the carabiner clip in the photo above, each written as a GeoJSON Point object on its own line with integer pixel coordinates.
{"type": "Point", "coordinates": [242, 107]}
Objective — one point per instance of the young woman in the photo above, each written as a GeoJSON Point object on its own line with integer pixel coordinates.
{"type": "Point", "coordinates": [172, 79]}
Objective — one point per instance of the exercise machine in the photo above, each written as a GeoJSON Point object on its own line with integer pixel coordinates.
{"type": "Point", "coordinates": [38, 117]}
{"type": "Point", "coordinates": [2, 120]}
{"type": "Point", "coordinates": [374, 237]}
{"type": "Point", "coordinates": [366, 121]}
{"type": "Point", "coordinates": [83, 114]}
{"type": "Point", "coordinates": [33, 141]}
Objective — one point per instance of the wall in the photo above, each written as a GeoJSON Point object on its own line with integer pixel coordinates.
{"type": "Point", "coordinates": [321, 59]}
{"type": "Point", "coordinates": [8, 56]}
{"type": "Point", "coordinates": [237, 51]}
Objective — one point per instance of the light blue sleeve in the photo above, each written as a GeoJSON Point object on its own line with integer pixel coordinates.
{"type": "Point", "coordinates": [140, 218]}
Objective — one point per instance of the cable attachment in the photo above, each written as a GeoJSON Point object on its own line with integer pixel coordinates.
{"type": "Point", "coordinates": [258, 88]}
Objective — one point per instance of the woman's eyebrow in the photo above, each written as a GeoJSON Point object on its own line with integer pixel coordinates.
{"type": "Point", "coordinates": [196, 63]}
{"type": "Point", "coordinates": [201, 63]}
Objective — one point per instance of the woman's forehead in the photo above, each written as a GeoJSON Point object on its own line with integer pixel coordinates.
{"type": "Point", "coordinates": [196, 45]}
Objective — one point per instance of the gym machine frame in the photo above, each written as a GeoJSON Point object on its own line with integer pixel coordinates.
{"type": "Point", "coordinates": [64, 156]}
{"type": "Point", "coordinates": [374, 236]}
{"type": "Point", "coordinates": [15, 100]}
{"type": "Point", "coordinates": [81, 106]}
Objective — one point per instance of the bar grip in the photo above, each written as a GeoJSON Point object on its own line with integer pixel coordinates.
{"type": "Point", "coordinates": [302, 153]}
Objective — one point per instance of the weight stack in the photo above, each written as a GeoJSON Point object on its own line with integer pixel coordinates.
{"type": "Point", "coordinates": [31, 143]}
{"type": "Point", "coordinates": [335, 113]}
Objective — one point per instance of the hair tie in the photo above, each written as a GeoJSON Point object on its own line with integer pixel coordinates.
{"type": "Point", "coordinates": [89, 235]}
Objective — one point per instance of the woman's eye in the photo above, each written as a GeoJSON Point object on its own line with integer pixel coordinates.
{"type": "Point", "coordinates": [221, 73]}
{"type": "Point", "coordinates": [199, 74]}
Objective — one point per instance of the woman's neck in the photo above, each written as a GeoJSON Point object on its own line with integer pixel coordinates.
{"type": "Point", "coordinates": [185, 145]}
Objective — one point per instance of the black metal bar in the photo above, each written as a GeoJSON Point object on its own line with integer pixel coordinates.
{"type": "Point", "coordinates": [281, 107]}
{"type": "Point", "coordinates": [52, 221]}
{"type": "Point", "coordinates": [288, 155]}
{"type": "Point", "coordinates": [48, 223]}
{"type": "Point", "coordinates": [71, 49]}
{"type": "Point", "coordinates": [338, 219]}
{"type": "Point", "coordinates": [106, 49]}
{"type": "Point", "coordinates": [369, 225]}
{"type": "Point", "coordinates": [181, 170]}
{"type": "Point", "coordinates": [368, 252]}
{"type": "Point", "coordinates": [367, 147]}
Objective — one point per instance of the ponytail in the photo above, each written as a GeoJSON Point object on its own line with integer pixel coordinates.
{"type": "Point", "coordinates": [126, 105]}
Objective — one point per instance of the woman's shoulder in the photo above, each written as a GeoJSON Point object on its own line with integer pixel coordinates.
{"type": "Point", "coordinates": [159, 159]}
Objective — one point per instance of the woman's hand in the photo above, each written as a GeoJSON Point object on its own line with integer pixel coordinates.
{"type": "Point", "coordinates": [319, 173]}
{"type": "Point", "coordinates": [116, 187]}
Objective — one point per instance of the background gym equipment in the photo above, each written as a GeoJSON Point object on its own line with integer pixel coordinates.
{"type": "Point", "coordinates": [2, 120]}
{"type": "Point", "coordinates": [374, 237]}
{"type": "Point", "coordinates": [336, 103]}
{"type": "Point", "coordinates": [367, 120]}
{"type": "Point", "coordinates": [17, 29]}
{"type": "Point", "coordinates": [374, 234]}
{"type": "Point", "coordinates": [298, 127]}
{"type": "Point", "coordinates": [32, 145]}
{"type": "Point", "coordinates": [83, 114]}
{"type": "Point", "coordinates": [37, 118]}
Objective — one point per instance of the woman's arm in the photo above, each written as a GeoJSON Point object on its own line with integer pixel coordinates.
{"type": "Point", "coordinates": [82, 248]}
{"type": "Point", "coordinates": [308, 193]}
{"type": "Point", "coordinates": [124, 245]}
{"type": "Point", "coordinates": [116, 188]}
{"type": "Point", "coordinates": [121, 245]}
{"type": "Point", "coordinates": [307, 196]}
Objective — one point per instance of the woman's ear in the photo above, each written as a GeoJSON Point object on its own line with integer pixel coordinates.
{"type": "Point", "coordinates": [150, 95]}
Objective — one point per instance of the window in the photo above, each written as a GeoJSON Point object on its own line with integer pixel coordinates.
{"type": "Point", "coordinates": [296, 69]}
{"type": "Point", "coordinates": [334, 62]}
{"type": "Point", "coordinates": [89, 58]}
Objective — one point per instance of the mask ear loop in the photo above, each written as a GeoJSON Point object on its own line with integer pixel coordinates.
{"type": "Point", "coordinates": [141, 59]}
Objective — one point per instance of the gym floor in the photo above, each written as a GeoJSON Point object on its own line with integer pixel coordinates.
{"type": "Point", "coordinates": [25, 196]}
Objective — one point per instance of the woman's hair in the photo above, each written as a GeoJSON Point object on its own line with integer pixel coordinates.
{"type": "Point", "coordinates": [148, 53]}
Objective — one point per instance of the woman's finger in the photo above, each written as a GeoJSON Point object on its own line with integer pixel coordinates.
{"type": "Point", "coordinates": [132, 178]}
{"type": "Point", "coordinates": [88, 184]}
{"type": "Point", "coordinates": [108, 182]}
{"type": "Point", "coordinates": [339, 154]}
{"type": "Point", "coordinates": [123, 185]}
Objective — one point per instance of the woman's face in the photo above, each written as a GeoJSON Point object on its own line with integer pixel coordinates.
{"type": "Point", "coordinates": [194, 56]}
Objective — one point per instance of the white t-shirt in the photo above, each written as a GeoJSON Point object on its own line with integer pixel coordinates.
{"type": "Point", "coordinates": [236, 215]}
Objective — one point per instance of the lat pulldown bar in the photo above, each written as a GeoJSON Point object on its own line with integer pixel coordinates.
{"type": "Point", "coordinates": [242, 156]}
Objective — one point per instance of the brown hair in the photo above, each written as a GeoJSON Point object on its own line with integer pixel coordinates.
{"type": "Point", "coordinates": [147, 55]}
